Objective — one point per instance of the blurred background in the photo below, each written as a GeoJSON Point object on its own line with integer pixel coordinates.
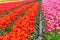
{"type": "Point", "coordinates": [17, 0]}
{"type": "Point", "coordinates": [14, 0]}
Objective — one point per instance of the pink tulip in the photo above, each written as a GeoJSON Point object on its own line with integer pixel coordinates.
{"type": "Point", "coordinates": [49, 30]}
{"type": "Point", "coordinates": [59, 33]}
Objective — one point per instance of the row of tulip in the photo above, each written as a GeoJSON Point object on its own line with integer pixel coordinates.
{"type": "Point", "coordinates": [8, 6]}
{"type": "Point", "coordinates": [24, 26]}
{"type": "Point", "coordinates": [6, 20]}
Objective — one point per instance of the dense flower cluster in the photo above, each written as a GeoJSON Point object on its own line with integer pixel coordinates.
{"type": "Point", "coordinates": [24, 26]}
{"type": "Point", "coordinates": [26, 23]}
{"type": "Point", "coordinates": [6, 20]}
{"type": "Point", "coordinates": [51, 12]}
{"type": "Point", "coordinates": [8, 6]}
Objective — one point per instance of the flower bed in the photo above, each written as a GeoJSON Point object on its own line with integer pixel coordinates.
{"type": "Point", "coordinates": [51, 19]}
{"type": "Point", "coordinates": [22, 23]}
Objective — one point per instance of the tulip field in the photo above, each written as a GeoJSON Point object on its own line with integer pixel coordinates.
{"type": "Point", "coordinates": [51, 19]}
{"type": "Point", "coordinates": [30, 20]}
{"type": "Point", "coordinates": [19, 21]}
